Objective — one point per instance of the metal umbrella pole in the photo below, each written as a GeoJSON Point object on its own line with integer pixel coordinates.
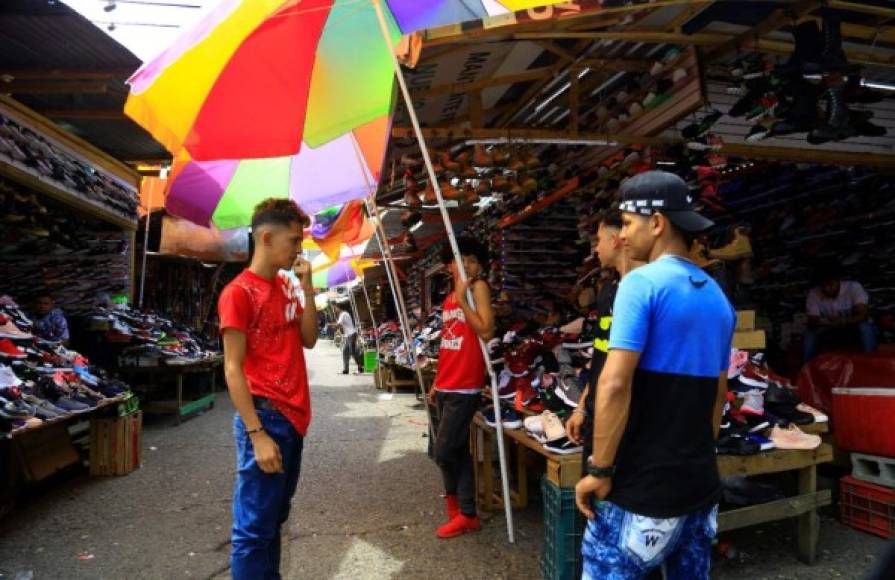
{"type": "Point", "coordinates": [408, 101]}
{"type": "Point", "coordinates": [394, 283]}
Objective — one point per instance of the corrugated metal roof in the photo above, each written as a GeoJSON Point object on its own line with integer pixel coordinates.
{"type": "Point", "coordinates": [47, 35]}
{"type": "Point", "coordinates": [43, 34]}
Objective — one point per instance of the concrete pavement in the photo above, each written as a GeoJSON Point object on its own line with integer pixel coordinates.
{"type": "Point", "coordinates": [367, 507]}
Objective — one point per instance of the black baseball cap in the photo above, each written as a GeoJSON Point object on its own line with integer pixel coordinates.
{"type": "Point", "coordinates": [666, 193]}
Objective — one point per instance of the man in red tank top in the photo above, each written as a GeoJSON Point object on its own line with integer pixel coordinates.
{"type": "Point", "coordinates": [457, 391]}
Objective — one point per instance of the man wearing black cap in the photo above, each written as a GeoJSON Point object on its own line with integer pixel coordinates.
{"type": "Point", "coordinates": [659, 398]}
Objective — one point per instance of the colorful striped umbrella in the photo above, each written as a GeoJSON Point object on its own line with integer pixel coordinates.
{"type": "Point", "coordinates": [225, 192]}
{"type": "Point", "coordinates": [260, 78]}
{"type": "Point", "coordinates": [328, 273]}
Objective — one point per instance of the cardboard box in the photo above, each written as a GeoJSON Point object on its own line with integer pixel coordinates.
{"type": "Point", "coordinates": [745, 320]}
{"type": "Point", "coordinates": [749, 339]}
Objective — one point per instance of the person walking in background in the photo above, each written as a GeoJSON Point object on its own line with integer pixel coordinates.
{"type": "Point", "coordinates": [349, 338]}
{"type": "Point", "coordinates": [265, 329]}
{"type": "Point", "coordinates": [659, 399]}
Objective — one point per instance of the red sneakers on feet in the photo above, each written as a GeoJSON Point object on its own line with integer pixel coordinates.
{"type": "Point", "coordinates": [459, 525]}
{"type": "Point", "coordinates": [453, 506]}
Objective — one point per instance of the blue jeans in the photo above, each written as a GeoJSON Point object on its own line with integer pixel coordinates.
{"type": "Point", "coordinates": [261, 501]}
{"type": "Point", "coordinates": [620, 545]}
{"type": "Point", "coordinates": [863, 333]}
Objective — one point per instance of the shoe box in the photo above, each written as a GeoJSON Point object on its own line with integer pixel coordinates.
{"type": "Point", "coordinates": [863, 419]}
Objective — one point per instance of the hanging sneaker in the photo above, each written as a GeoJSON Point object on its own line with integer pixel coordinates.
{"type": "Point", "coordinates": [459, 525]}
{"type": "Point", "coordinates": [837, 125]}
{"type": "Point", "coordinates": [739, 247]}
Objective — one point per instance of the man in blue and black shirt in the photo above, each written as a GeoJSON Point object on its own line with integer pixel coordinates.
{"type": "Point", "coordinates": [659, 398]}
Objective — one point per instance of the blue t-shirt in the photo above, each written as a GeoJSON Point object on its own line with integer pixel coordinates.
{"type": "Point", "coordinates": [679, 320]}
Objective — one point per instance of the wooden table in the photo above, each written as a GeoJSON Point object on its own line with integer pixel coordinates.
{"type": "Point", "coordinates": [565, 471]}
{"type": "Point", "coordinates": [178, 407]}
{"type": "Point", "coordinates": [803, 505]}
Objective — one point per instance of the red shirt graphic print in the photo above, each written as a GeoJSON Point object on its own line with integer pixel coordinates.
{"type": "Point", "coordinates": [461, 365]}
{"type": "Point", "coordinates": [269, 312]}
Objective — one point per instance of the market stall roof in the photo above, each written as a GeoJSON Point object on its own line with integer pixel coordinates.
{"type": "Point", "coordinates": [61, 65]}
{"type": "Point", "coordinates": [543, 74]}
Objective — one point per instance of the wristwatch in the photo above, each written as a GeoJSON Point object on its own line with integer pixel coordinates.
{"type": "Point", "coordinates": [600, 472]}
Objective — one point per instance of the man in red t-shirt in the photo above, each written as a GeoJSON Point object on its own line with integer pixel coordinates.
{"type": "Point", "coordinates": [265, 329]}
{"type": "Point", "coordinates": [457, 390]}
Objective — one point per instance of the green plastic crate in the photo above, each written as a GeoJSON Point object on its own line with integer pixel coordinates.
{"type": "Point", "coordinates": [563, 528]}
{"type": "Point", "coordinates": [370, 361]}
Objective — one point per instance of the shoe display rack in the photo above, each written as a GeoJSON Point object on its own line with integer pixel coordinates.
{"type": "Point", "coordinates": [46, 159]}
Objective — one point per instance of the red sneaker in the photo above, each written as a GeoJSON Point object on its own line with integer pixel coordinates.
{"type": "Point", "coordinates": [459, 525]}
{"type": "Point", "coordinates": [453, 506]}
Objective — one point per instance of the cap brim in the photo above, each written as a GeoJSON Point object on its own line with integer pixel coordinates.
{"type": "Point", "coordinates": [689, 221]}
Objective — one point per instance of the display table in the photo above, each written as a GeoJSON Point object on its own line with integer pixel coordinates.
{"type": "Point", "coordinates": [803, 505]}
{"type": "Point", "coordinates": [565, 471]}
{"type": "Point", "coordinates": [395, 375]}
{"type": "Point", "coordinates": [31, 455]}
{"type": "Point", "coordinates": [149, 379]}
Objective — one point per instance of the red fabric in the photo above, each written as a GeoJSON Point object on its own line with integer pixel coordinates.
{"type": "Point", "coordinates": [843, 369]}
{"type": "Point", "coordinates": [460, 361]}
{"type": "Point", "coordinates": [269, 313]}
{"type": "Point", "coordinates": [256, 107]}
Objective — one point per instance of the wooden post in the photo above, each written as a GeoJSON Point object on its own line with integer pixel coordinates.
{"type": "Point", "coordinates": [809, 522]}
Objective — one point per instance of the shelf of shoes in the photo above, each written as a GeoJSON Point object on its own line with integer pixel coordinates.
{"type": "Point", "coordinates": [537, 258]}
{"type": "Point", "coordinates": [45, 248]}
{"type": "Point", "coordinates": [43, 383]}
{"type": "Point", "coordinates": [781, 223]}
{"type": "Point", "coordinates": [44, 164]}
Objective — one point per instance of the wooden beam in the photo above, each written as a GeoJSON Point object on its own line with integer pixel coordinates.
{"type": "Point", "coordinates": [863, 8]}
{"type": "Point", "coordinates": [61, 74]}
{"type": "Point", "coordinates": [455, 88]}
{"type": "Point", "coordinates": [619, 65]}
{"type": "Point", "coordinates": [533, 91]}
{"type": "Point", "coordinates": [105, 114]}
{"type": "Point", "coordinates": [522, 133]}
{"type": "Point", "coordinates": [775, 20]}
{"type": "Point", "coordinates": [647, 36]}
{"type": "Point", "coordinates": [772, 511]}
{"type": "Point", "coordinates": [557, 50]}
{"type": "Point", "coordinates": [52, 88]}
{"type": "Point", "coordinates": [808, 155]}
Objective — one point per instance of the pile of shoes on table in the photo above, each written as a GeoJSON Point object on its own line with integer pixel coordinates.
{"type": "Point", "coordinates": [763, 411]}
{"type": "Point", "coordinates": [42, 380]}
{"type": "Point", "coordinates": [151, 340]}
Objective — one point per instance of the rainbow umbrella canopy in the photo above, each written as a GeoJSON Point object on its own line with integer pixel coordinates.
{"type": "Point", "coordinates": [290, 83]}
{"type": "Point", "coordinates": [328, 272]}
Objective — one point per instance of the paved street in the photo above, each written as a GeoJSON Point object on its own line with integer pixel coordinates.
{"type": "Point", "coordinates": [367, 507]}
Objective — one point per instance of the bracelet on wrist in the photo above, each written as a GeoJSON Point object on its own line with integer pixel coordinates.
{"type": "Point", "coordinates": [255, 430]}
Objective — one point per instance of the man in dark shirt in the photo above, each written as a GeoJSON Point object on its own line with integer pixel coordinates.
{"type": "Point", "coordinates": [612, 259]}
{"type": "Point", "coordinates": [659, 399]}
